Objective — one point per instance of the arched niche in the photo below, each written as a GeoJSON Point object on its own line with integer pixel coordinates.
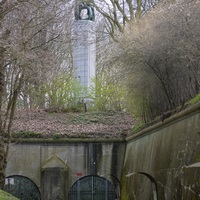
{"type": "Point", "coordinates": [55, 179]}
{"type": "Point", "coordinates": [84, 11]}
{"type": "Point", "coordinates": [152, 180]}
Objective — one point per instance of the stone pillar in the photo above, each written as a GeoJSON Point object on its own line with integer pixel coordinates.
{"type": "Point", "coordinates": [84, 51]}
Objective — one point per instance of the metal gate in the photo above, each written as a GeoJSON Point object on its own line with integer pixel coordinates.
{"type": "Point", "coordinates": [92, 188]}
{"type": "Point", "coordinates": [22, 188]}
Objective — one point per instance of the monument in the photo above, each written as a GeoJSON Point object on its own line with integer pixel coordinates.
{"type": "Point", "coordinates": [84, 48]}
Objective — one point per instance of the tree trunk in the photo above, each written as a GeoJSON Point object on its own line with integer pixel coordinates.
{"type": "Point", "coordinates": [2, 163]}
{"type": "Point", "coordinates": [2, 151]}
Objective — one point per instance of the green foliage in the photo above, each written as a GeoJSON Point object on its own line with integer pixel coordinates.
{"type": "Point", "coordinates": [64, 92]}
{"type": "Point", "coordinates": [159, 76]}
{"type": "Point", "coordinates": [138, 127]}
{"type": "Point", "coordinates": [108, 94]}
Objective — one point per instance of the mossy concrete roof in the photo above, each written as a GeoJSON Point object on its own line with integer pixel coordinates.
{"type": "Point", "coordinates": [42, 124]}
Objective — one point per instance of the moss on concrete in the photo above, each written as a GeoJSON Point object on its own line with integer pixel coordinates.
{"type": "Point", "coordinates": [198, 158]}
{"type": "Point", "coordinates": [195, 186]}
{"type": "Point", "coordinates": [123, 185]}
{"type": "Point", "coordinates": [6, 196]}
{"type": "Point", "coordinates": [67, 140]}
{"type": "Point", "coordinates": [194, 100]}
{"type": "Point", "coordinates": [27, 134]}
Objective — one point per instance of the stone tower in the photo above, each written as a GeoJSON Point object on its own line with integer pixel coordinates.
{"type": "Point", "coordinates": [84, 52]}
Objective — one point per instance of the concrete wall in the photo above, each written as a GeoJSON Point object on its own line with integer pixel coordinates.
{"type": "Point", "coordinates": [163, 153]}
{"type": "Point", "coordinates": [71, 159]}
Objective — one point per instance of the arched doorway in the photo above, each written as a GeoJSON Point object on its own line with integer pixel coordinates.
{"type": "Point", "coordinates": [22, 188]}
{"type": "Point", "coordinates": [92, 187]}
{"type": "Point", "coordinates": [153, 183]}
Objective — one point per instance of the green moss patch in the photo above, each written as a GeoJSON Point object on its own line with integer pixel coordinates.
{"type": "Point", "coordinates": [27, 134]}
{"type": "Point", "coordinates": [194, 100]}
{"type": "Point", "coordinates": [6, 196]}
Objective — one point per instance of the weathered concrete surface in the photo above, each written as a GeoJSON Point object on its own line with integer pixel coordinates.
{"type": "Point", "coordinates": [41, 160]}
{"type": "Point", "coordinates": [164, 151]}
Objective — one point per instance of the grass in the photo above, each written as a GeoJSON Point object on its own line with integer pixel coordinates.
{"type": "Point", "coordinates": [138, 127]}
{"type": "Point", "coordinates": [6, 196]}
{"type": "Point", "coordinates": [194, 100]}
{"type": "Point", "coordinates": [91, 117]}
